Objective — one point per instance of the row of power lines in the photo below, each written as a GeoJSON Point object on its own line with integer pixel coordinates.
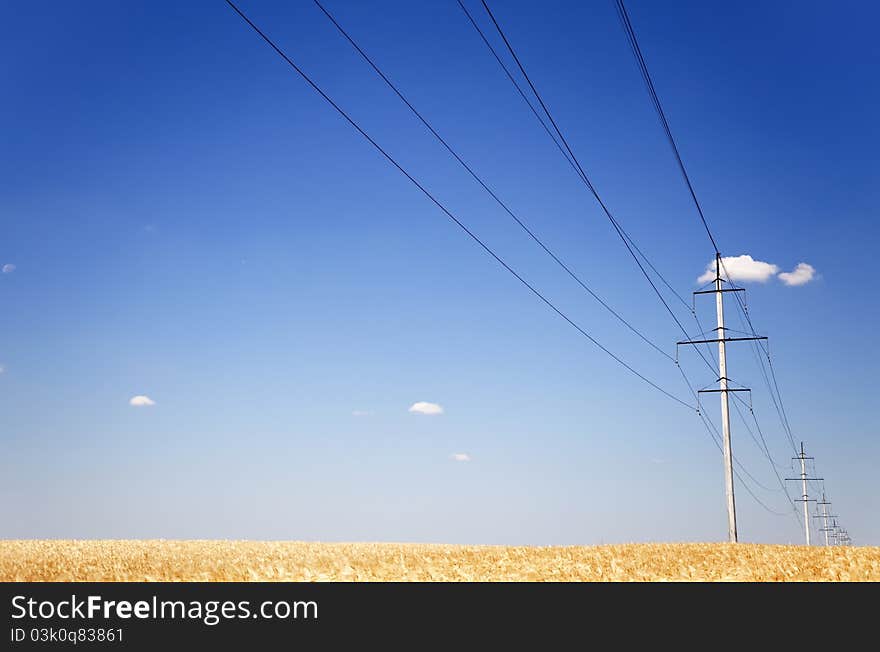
{"type": "Point", "coordinates": [730, 393]}
{"type": "Point", "coordinates": [723, 335]}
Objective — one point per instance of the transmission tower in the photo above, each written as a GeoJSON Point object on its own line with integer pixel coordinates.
{"type": "Point", "coordinates": [805, 497]}
{"type": "Point", "coordinates": [723, 387]}
{"type": "Point", "coordinates": [826, 504]}
{"type": "Point", "coordinates": [834, 534]}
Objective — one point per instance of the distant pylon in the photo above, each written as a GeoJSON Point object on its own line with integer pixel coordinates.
{"type": "Point", "coordinates": [824, 516]}
{"type": "Point", "coordinates": [805, 497]}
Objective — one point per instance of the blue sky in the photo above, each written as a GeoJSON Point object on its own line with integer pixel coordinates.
{"type": "Point", "coordinates": [189, 221]}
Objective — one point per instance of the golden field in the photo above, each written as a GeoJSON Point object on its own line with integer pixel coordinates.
{"type": "Point", "coordinates": [160, 560]}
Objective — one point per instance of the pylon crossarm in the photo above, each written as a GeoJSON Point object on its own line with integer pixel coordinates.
{"type": "Point", "coordinates": [722, 290]}
{"type": "Point", "coordinates": [723, 339]}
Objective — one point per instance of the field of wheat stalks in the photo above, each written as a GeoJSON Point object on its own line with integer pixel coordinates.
{"type": "Point", "coordinates": [161, 560]}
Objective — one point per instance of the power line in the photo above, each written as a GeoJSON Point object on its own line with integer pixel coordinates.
{"type": "Point", "coordinates": [625, 238]}
{"type": "Point", "coordinates": [579, 172]}
{"type": "Point", "coordinates": [761, 352]}
{"type": "Point", "coordinates": [561, 149]}
{"type": "Point", "coordinates": [573, 161]}
{"type": "Point", "coordinates": [773, 464]}
{"type": "Point", "coordinates": [712, 430]}
{"type": "Point", "coordinates": [761, 446]}
{"type": "Point", "coordinates": [446, 211]}
{"type": "Point", "coordinates": [778, 393]}
{"type": "Point", "coordinates": [483, 184]}
{"type": "Point", "coordinates": [661, 114]}
{"type": "Point", "coordinates": [473, 236]}
{"type": "Point", "coordinates": [741, 467]}
{"type": "Point", "coordinates": [757, 350]}
{"type": "Point", "coordinates": [655, 99]}
{"type": "Point", "coordinates": [489, 250]}
{"type": "Point", "coordinates": [627, 26]}
{"type": "Point", "coordinates": [658, 106]}
{"type": "Point", "coordinates": [515, 83]}
{"type": "Point", "coordinates": [755, 345]}
{"type": "Point", "coordinates": [710, 427]}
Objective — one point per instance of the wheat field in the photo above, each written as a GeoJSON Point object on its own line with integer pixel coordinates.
{"type": "Point", "coordinates": [161, 560]}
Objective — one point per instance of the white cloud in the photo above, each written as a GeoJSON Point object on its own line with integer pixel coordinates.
{"type": "Point", "coordinates": [361, 413]}
{"type": "Point", "coordinates": [8, 268]}
{"type": "Point", "coordinates": [803, 273]}
{"type": "Point", "coordinates": [460, 457]}
{"type": "Point", "coordinates": [423, 407]}
{"type": "Point", "coordinates": [141, 401]}
{"type": "Point", "coordinates": [2, 368]}
{"type": "Point", "coordinates": [740, 268]}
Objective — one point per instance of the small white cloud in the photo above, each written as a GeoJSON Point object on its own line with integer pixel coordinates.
{"type": "Point", "coordinates": [460, 457]}
{"type": "Point", "coordinates": [141, 401]}
{"type": "Point", "coordinates": [361, 413]}
{"type": "Point", "coordinates": [2, 368]}
{"type": "Point", "coordinates": [8, 268]}
{"type": "Point", "coordinates": [423, 407]}
{"type": "Point", "coordinates": [803, 273]}
{"type": "Point", "coordinates": [740, 268]}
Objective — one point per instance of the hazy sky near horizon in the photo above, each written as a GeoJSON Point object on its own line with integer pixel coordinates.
{"type": "Point", "coordinates": [226, 316]}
